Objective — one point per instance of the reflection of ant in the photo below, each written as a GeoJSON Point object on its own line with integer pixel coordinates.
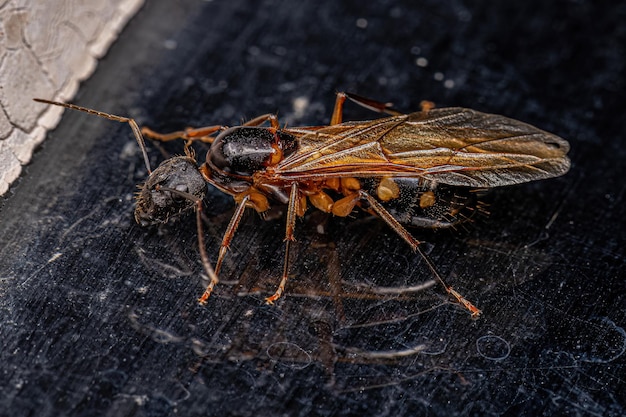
{"type": "Point", "coordinates": [398, 164]}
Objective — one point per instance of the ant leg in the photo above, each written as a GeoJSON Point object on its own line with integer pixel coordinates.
{"type": "Point", "coordinates": [255, 200]}
{"type": "Point", "coordinates": [426, 105]}
{"type": "Point", "coordinates": [415, 245]}
{"type": "Point", "coordinates": [204, 134]}
{"type": "Point", "coordinates": [374, 105]}
{"type": "Point", "coordinates": [370, 104]}
{"type": "Point", "coordinates": [230, 232]}
{"type": "Point", "coordinates": [211, 273]}
{"type": "Point", "coordinates": [291, 225]}
{"type": "Point", "coordinates": [262, 119]}
{"type": "Point", "coordinates": [228, 236]}
{"type": "Point", "coordinates": [201, 134]}
{"type": "Point", "coordinates": [337, 116]}
{"type": "Point", "coordinates": [131, 122]}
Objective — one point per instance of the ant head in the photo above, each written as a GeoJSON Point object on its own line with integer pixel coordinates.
{"type": "Point", "coordinates": [155, 205]}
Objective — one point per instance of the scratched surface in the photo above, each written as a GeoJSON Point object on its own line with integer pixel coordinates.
{"type": "Point", "coordinates": [99, 315]}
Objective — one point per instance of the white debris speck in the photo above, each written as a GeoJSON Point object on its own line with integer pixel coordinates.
{"type": "Point", "coordinates": [299, 106]}
{"type": "Point", "coordinates": [170, 44]}
{"type": "Point", "coordinates": [55, 257]}
{"type": "Point", "coordinates": [448, 83]}
{"type": "Point", "coordinates": [361, 23]}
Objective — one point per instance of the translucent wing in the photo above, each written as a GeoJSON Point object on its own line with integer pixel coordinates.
{"type": "Point", "coordinates": [454, 146]}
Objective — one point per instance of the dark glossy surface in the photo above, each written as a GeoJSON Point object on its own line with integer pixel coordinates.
{"type": "Point", "coordinates": [99, 314]}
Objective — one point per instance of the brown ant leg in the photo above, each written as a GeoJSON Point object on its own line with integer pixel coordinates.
{"type": "Point", "coordinates": [230, 232]}
{"type": "Point", "coordinates": [415, 245]}
{"type": "Point", "coordinates": [426, 105]}
{"type": "Point", "coordinates": [228, 236]}
{"type": "Point", "coordinates": [474, 311]}
{"type": "Point", "coordinates": [291, 225]}
{"type": "Point", "coordinates": [370, 104]}
{"type": "Point", "coordinates": [202, 134]}
{"type": "Point", "coordinates": [212, 274]}
{"type": "Point", "coordinates": [337, 116]}
{"type": "Point", "coordinates": [259, 120]}
{"type": "Point", "coordinates": [131, 122]}
{"type": "Point", "coordinates": [374, 105]}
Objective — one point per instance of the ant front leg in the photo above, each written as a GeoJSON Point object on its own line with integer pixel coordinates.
{"type": "Point", "coordinates": [252, 199]}
{"type": "Point", "coordinates": [204, 134]}
{"type": "Point", "coordinates": [201, 134]}
{"type": "Point", "coordinates": [206, 264]}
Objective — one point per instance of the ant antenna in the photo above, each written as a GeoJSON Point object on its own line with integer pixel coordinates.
{"type": "Point", "coordinates": [131, 122]}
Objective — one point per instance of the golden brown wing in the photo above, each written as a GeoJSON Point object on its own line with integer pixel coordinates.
{"type": "Point", "coordinates": [453, 146]}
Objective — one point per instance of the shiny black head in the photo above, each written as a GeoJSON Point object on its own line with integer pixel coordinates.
{"type": "Point", "coordinates": [244, 150]}
{"type": "Point", "coordinates": [158, 206]}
